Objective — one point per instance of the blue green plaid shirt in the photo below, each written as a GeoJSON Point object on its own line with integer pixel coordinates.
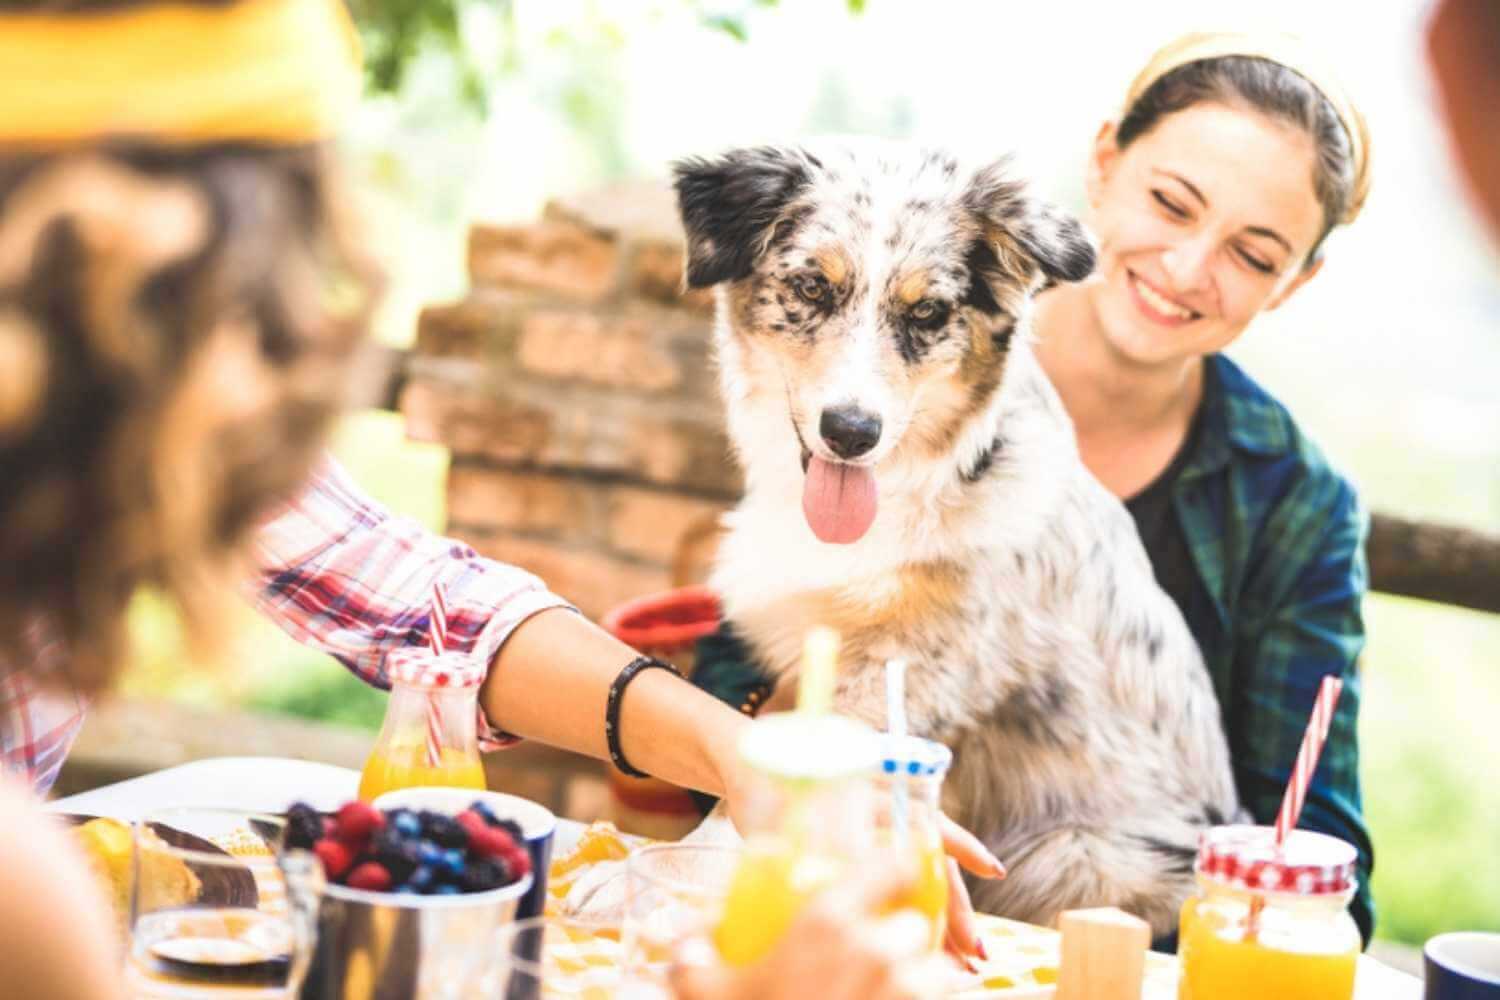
{"type": "Point", "coordinates": [1277, 539]}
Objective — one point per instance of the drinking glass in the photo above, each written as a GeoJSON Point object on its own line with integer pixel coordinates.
{"type": "Point", "coordinates": [672, 892]}
{"type": "Point", "coordinates": [217, 909]}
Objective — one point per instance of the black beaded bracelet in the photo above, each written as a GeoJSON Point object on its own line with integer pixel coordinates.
{"type": "Point", "coordinates": [612, 709]}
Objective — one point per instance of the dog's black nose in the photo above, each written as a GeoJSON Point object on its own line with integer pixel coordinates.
{"type": "Point", "coordinates": [848, 431]}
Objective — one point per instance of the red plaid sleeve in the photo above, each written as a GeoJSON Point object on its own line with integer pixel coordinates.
{"type": "Point", "coordinates": [340, 573]}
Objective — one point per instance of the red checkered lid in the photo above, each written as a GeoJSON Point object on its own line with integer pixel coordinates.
{"type": "Point", "coordinates": [1245, 857]}
{"type": "Point", "coordinates": [425, 669]}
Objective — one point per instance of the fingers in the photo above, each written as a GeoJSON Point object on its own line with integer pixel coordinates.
{"type": "Point", "coordinates": [963, 932]}
{"type": "Point", "coordinates": [970, 852]}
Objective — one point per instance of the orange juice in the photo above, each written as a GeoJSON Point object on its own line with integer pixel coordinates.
{"type": "Point", "coordinates": [1270, 919]}
{"type": "Point", "coordinates": [1219, 963]}
{"type": "Point", "coordinates": [929, 896]}
{"type": "Point", "coordinates": [769, 889]}
{"type": "Point", "coordinates": [404, 765]}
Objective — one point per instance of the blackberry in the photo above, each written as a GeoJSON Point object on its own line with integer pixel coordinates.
{"type": "Point", "coordinates": [445, 831]}
{"type": "Point", "coordinates": [399, 855]}
{"type": "Point", "coordinates": [511, 827]}
{"type": "Point", "coordinates": [483, 875]}
{"type": "Point", "coordinates": [304, 827]}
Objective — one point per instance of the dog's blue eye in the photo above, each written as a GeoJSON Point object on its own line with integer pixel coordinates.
{"type": "Point", "coordinates": [811, 287]}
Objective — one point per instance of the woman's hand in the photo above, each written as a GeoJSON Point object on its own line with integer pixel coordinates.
{"type": "Point", "coordinates": [839, 948]}
{"type": "Point", "coordinates": [965, 849]}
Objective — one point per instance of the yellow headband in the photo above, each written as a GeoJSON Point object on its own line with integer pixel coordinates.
{"type": "Point", "coordinates": [279, 71]}
{"type": "Point", "coordinates": [1284, 50]}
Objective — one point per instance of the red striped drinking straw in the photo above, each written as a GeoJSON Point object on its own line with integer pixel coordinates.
{"type": "Point", "coordinates": [1302, 772]}
{"type": "Point", "coordinates": [437, 636]}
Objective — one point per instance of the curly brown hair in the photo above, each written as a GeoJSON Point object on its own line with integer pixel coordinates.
{"type": "Point", "coordinates": [176, 331]}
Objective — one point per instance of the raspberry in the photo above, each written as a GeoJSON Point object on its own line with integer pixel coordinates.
{"type": "Point", "coordinates": [518, 861]}
{"type": "Point", "coordinates": [357, 820]}
{"type": "Point", "coordinates": [491, 842]}
{"type": "Point", "coordinates": [472, 822]}
{"type": "Point", "coordinates": [336, 857]}
{"type": "Point", "coordinates": [370, 876]}
{"type": "Point", "coordinates": [484, 875]}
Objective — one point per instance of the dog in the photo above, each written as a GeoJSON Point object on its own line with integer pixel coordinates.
{"type": "Point", "coordinates": [913, 481]}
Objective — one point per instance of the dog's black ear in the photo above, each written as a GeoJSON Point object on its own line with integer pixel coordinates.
{"type": "Point", "coordinates": [730, 206]}
{"type": "Point", "coordinates": [1055, 242]}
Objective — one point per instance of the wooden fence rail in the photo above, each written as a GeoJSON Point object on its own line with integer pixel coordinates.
{"type": "Point", "coordinates": [1421, 559]}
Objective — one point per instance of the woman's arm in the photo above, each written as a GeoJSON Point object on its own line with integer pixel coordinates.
{"type": "Point", "coordinates": [551, 679]}
{"type": "Point", "coordinates": [1312, 626]}
{"type": "Point", "coordinates": [340, 573]}
{"type": "Point", "coordinates": [57, 940]}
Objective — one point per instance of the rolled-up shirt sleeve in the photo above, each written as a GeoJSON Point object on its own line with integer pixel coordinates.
{"type": "Point", "coordinates": [340, 573]}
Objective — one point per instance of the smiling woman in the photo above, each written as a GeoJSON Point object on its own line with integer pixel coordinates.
{"type": "Point", "coordinates": [1211, 195]}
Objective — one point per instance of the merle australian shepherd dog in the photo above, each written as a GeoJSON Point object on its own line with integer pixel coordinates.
{"type": "Point", "coordinates": [912, 480]}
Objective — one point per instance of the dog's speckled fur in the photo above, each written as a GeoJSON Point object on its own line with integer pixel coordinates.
{"type": "Point", "coordinates": [1087, 746]}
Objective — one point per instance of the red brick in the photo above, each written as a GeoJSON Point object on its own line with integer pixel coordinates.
{"type": "Point", "coordinates": [549, 256]}
{"type": "Point", "coordinates": [527, 502]}
{"type": "Point", "coordinates": [619, 352]}
{"type": "Point", "coordinates": [470, 422]}
{"type": "Point", "coordinates": [652, 524]}
{"type": "Point", "coordinates": [595, 582]}
{"type": "Point", "coordinates": [654, 272]}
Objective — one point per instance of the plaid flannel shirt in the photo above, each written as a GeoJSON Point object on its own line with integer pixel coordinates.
{"type": "Point", "coordinates": [339, 573]}
{"type": "Point", "coordinates": [1277, 539]}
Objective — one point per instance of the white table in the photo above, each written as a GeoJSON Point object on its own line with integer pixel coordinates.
{"type": "Point", "coordinates": [273, 783]}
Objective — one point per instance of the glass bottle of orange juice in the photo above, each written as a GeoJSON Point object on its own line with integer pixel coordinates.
{"type": "Point", "coordinates": [807, 819]}
{"type": "Point", "coordinates": [1269, 923]}
{"type": "Point", "coordinates": [430, 734]}
{"type": "Point", "coordinates": [908, 806]}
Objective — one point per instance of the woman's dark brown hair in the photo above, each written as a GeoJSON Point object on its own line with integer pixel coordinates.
{"type": "Point", "coordinates": [176, 326]}
{"type": "Point", "coordinates": [1274, 90]}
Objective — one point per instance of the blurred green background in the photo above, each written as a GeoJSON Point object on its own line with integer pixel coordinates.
{"type": "Point", "coordinates": [1389, 359]}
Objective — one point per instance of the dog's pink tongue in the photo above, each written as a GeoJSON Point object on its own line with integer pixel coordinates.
{"type": "Point", "coordinates": [838, 501]}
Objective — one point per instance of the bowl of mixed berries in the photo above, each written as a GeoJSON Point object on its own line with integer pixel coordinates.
{"type": "Point", "coordinates": [406, 852]}
{"type": "Point", "coordinates": [413, 897]}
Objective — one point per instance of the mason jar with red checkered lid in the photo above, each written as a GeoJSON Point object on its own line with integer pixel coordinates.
{"type": "Point", "coordinates": [1269, 921]}
{"type": "Point", "coordinates": [430, 733]}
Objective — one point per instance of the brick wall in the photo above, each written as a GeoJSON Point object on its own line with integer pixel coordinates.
{"type": "Point", "coordinates": [573, 389]}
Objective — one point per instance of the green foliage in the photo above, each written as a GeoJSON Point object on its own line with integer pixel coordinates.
{"type": "Point", "coordinates": [395, 33]}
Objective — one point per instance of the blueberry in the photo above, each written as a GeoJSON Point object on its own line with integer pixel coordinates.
{"type": "Point", "coordinates": [404, 890]}
{"type": "Point", "coordinates": [453, 861]}
{"type": "Point", "coordinates": [422, 879]}
{"type": "Point", "coordinates": [429, 853]}
{"type": "Point", "coordinates": [406, 823]}
{"type": "Point", "coordinates": [483, 875]}
{"type": "Point", "coordinates": [446, 890]}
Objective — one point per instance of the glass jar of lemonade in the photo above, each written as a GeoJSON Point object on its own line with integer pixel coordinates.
{"type": "Point", "coordinates": [430, 734]}
{"type": "Point", "coordinates": [1268, 922]}
{"type": "Point", "coordinates": [908, 807]}
{"type": "Point", "coordinates": [807, 817]}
